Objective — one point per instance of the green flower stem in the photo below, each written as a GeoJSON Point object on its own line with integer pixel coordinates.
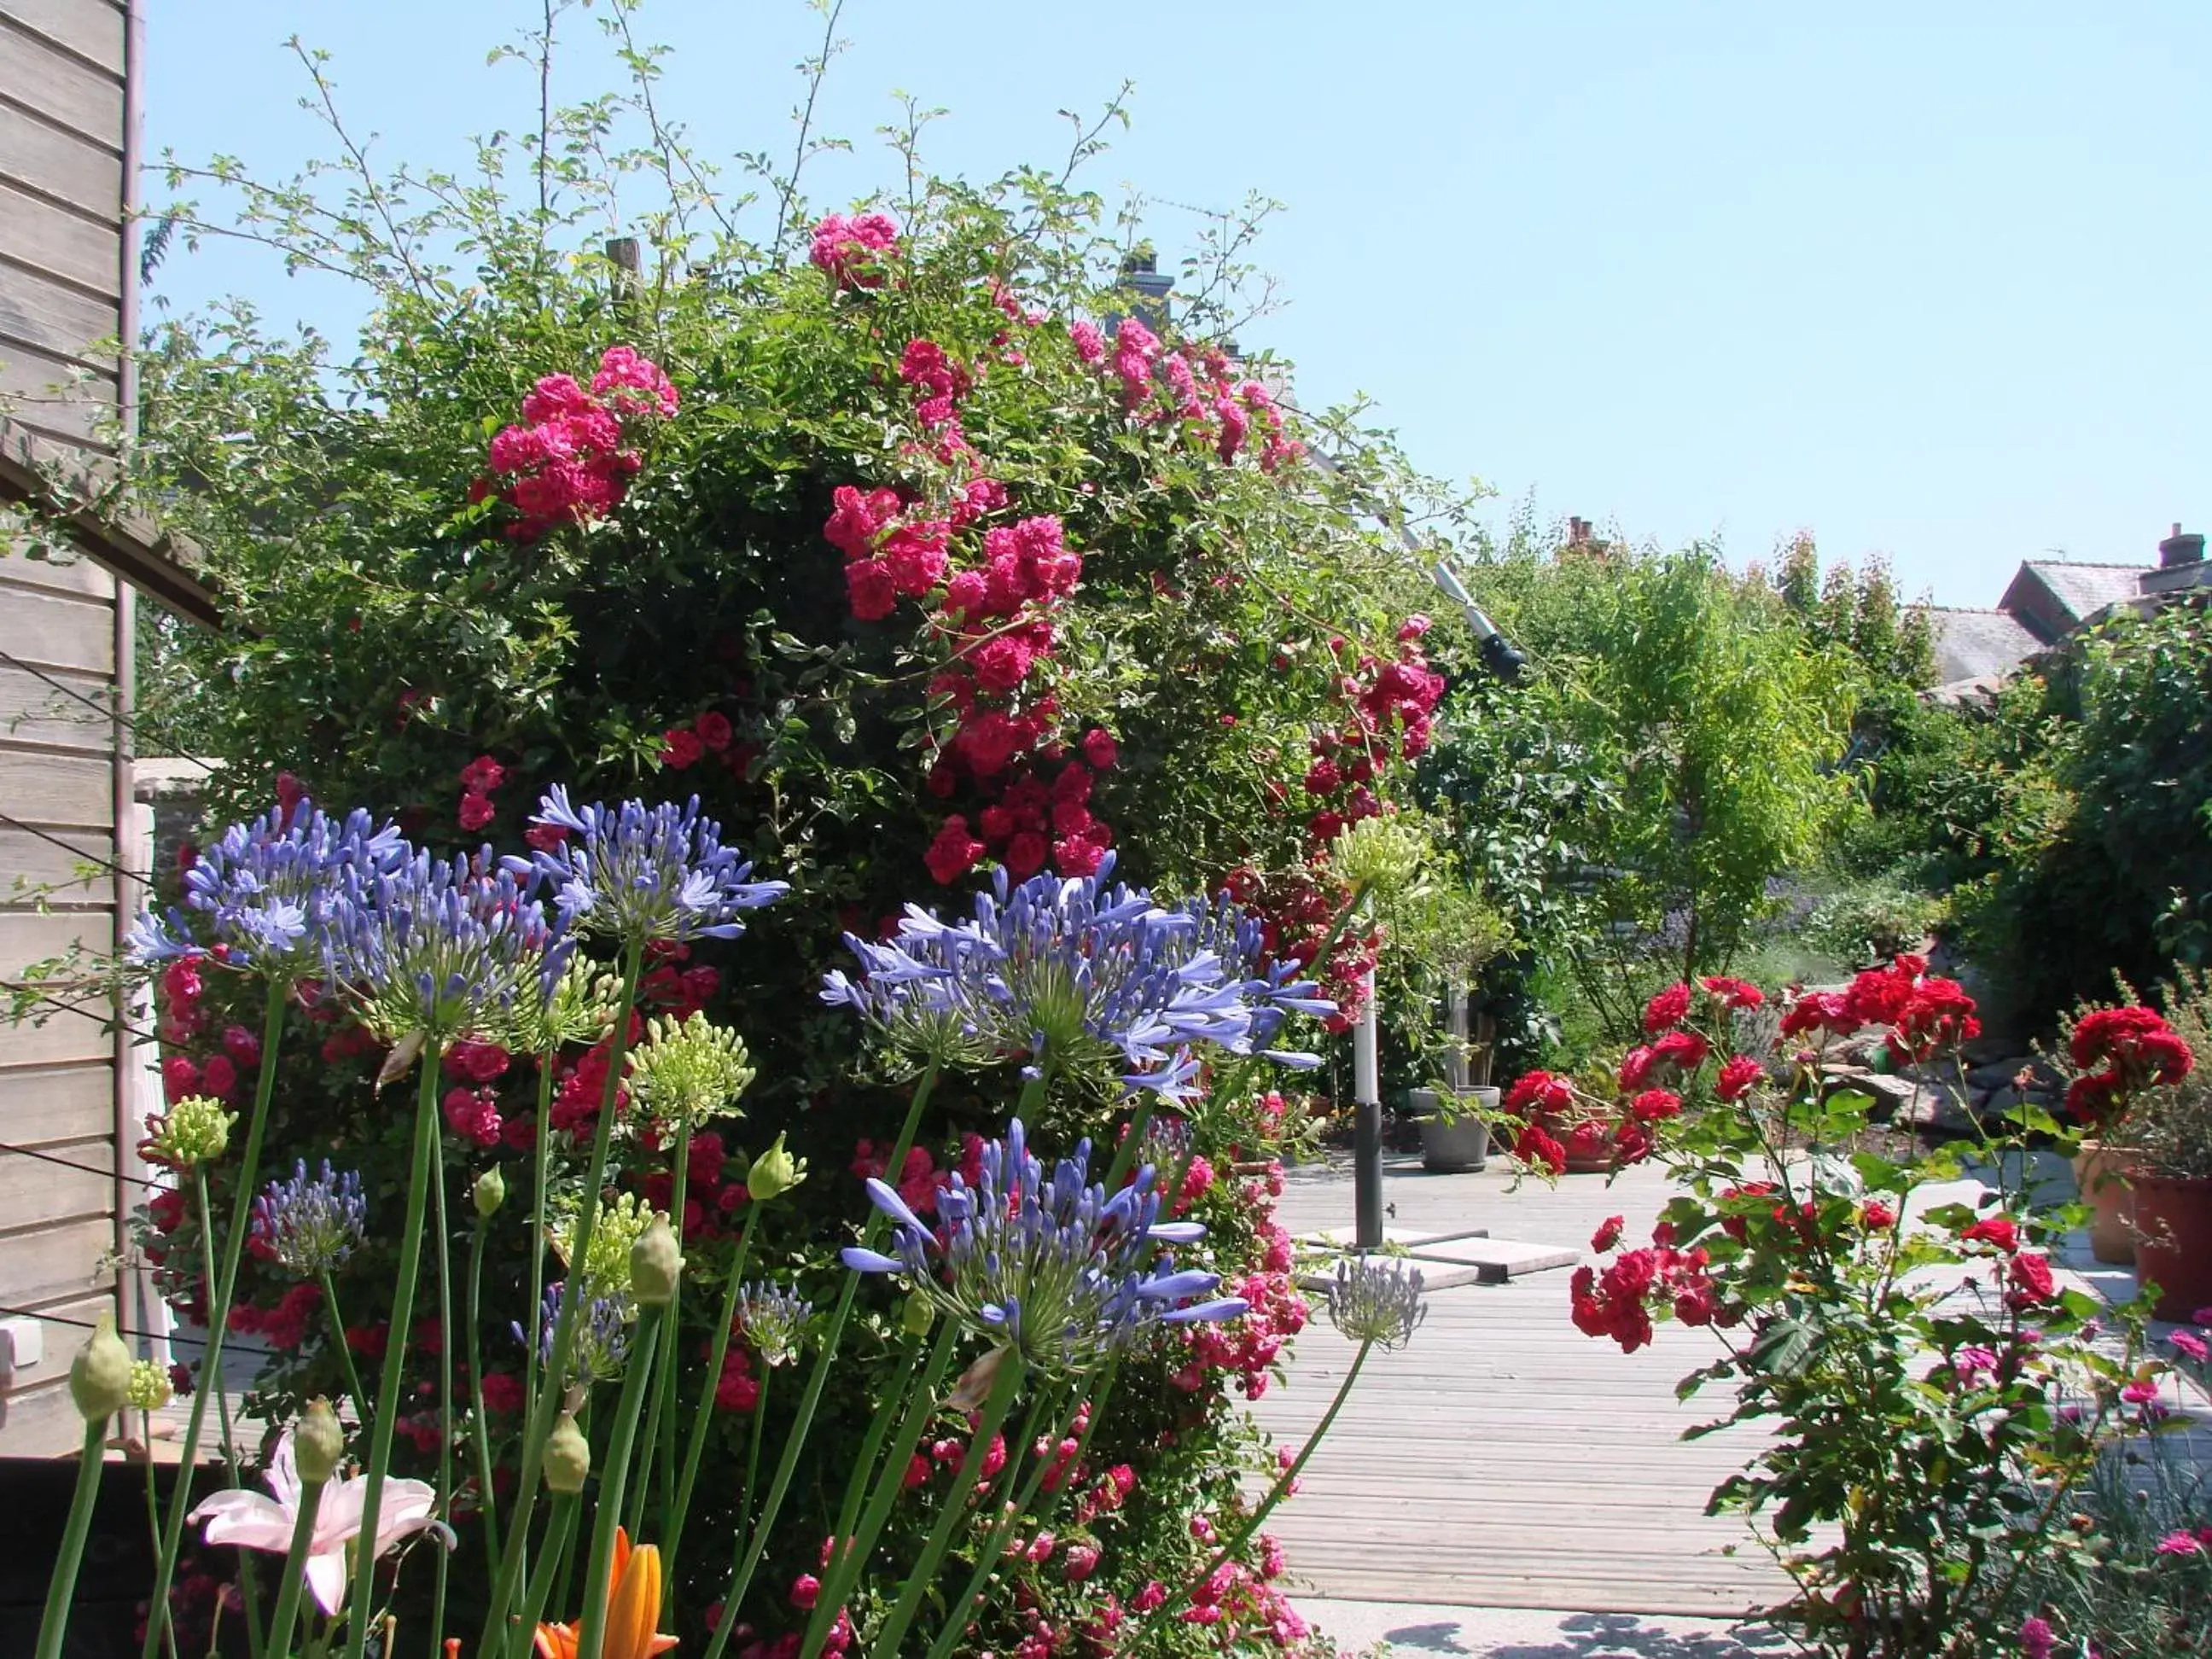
{"type": "Point", "coordinates": [425, 1167]}
{"type": "Point", "coordinates": [154, 1509]}
{"type": "Point", "coordinates": [988, 1558]}
{"type": "Point", "coordinates": [487, 1506]}
{"type": "Point", "coordinates": [295, 1571]}
{"type": "Point", "coordinates": [660, 1418]}
{"type": "Point", "coordinates": [539, 1155]}
{"type": "Point", "coordinates": [545, 1404]}
{"type": "Point", "coordinates": [249, 1592]}
{"type": "Point", "coordinates": [354, 1391]}
{"type": "Point", "coordinates": [443, 1229]}
{"type": "Point", "coordinates": [1276, 1494]}
{"type": "Point", "coordinates": [644, 1352]}
{"type": "Point", "coordinates": [795, 1441]}
{"type": "Point", "coordinates": [857, 1536]}
{"type": "Point", "coordinates": [704, 1415]}
{"type": "Point", "coordinates": [560, 1537]}
{"type": "Point", "coordinates": [224, 1284]}
{"type": "Point", "coordinates": [751, 1490]}
{"type": "Point", "coordinates": [1004, 1388]}
{"type": "Point", "coordinates": [61, 1589]}
{"type": "Point", "coordinates": [1125, 1155]}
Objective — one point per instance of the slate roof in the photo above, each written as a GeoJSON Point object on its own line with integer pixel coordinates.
{"type": "Point", "coordinates": [2086, 589]}
{"type": "Point", "coordinates": [1974, 644]}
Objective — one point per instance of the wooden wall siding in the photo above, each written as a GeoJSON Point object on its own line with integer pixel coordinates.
{"type": "Point", "coordinates": [62, 243]}
{"type": "Point", "coordinates": [58, 1082]}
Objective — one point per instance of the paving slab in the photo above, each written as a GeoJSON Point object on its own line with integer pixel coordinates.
{"type": "Point", "coordinates": [1494, 1259]}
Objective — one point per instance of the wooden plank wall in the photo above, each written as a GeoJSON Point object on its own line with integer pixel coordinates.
{"type": "Point", "coordinates": [63, 279]}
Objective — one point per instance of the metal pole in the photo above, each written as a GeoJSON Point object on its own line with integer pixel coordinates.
{"type": "Point", "coordinates": [1367, 1129]}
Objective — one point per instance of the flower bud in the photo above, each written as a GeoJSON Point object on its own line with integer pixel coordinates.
{"type": "Point", "coordinates": [568, 1456]}
{"type": "Point", "coordinates": [318, 1443]}
{"type": "Point", "coordinates": [917, 1316]}
{"type": "Point", "coordinates": [196, 1131]}
{"type": "Point", "coordinates": [774, 1173]}
{"type": "Point", "coordinates": [655, 1264]}
{"type": "Point", "coordinates": [99, 1375]}
{"type": "Point", "coordinates": [490, 1193]}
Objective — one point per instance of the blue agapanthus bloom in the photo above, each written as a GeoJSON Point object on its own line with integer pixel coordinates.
{"type": "Point", "coordinates": [445, 947]}
{"type": "Point", "coordinates": [1054, 1268]}
{"type": "Point", "coordinates": [1272, 990]}
{"type": "Point", "coordinates": [311, 1225]}
{"type": "Point", "coordinates": [1083, 971]}
{"type": "Point", "coordinates": [634, 872]}
{"type": "Point", "coordinates": [268, 893]}
{"type": "Point", "coordinates": [601, 1343]}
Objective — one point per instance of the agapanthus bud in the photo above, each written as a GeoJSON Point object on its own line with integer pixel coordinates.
{"type": "Point", "coordinates": [917, 1316]}
{"type": "Point", "coordinates": [1380, 855]}
{"type": "Point", "coordinates": [99, 1375]}
{"type": "Point", "coordinates": [656, 1263]}
{"type": "Point", "coordinates": [774, 1322]}
{"type": "Point", "coordinates": [490, 1192]}
{"type": "Point", "coordinates": [149, 1387]}
{"type": "Point", "coordinates": [317, 1442]}
{"type": "Point", "coordinates": [619, 1226]}
{"type": "Point", "coordinates": [196, 1131]}
{"type": "Point", "coordinates": [774, 1173]}
{"type": "Point", "coordinates": [568, 1460]}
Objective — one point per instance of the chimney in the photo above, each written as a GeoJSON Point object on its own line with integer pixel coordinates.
{"type": "Point", "coordinates": [2179, 550]}
{"type": "Point", "coordinates": [1578, 532]}
{"type": "Point", "coordinates": [1140, 272]}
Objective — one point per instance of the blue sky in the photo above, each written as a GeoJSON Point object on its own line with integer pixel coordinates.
{"type": "Point", "coordinates": [1927, 281]}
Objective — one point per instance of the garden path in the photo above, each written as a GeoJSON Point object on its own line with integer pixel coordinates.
{"type": "Point", "coordinates": [1504, 1459]}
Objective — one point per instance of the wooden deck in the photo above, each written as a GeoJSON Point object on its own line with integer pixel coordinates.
{"type": "Point", "coordinates": [1504, 1459]}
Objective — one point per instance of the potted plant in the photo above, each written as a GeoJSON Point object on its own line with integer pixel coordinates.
{"type": "Point", "coordinates": [2164, 1133]}
{"type": "Point", "coordinates": [1454, 932]}
{"type": "Point", "coordinates": [2094, 1100]}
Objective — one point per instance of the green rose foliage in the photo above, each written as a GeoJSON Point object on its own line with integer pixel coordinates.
{"type": "Point", "coordinates": [389, 644]}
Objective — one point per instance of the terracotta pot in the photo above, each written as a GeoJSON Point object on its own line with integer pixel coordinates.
{"type": "Point", "coordinates": [2174, 1243]}
{"type": "Point", "coordinates": [1584, 1158]}
{"type": "Point", "coordinates": [2103, 1179]}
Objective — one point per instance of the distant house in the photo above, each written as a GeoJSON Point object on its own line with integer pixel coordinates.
{"type": "Point", "coordinates": [2048, 600]}
{"type": "Point", "coordinates": [72, 834]}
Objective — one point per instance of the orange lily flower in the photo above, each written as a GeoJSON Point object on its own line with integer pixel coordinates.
{"type": "Point", "coordinates": [633, 1609]}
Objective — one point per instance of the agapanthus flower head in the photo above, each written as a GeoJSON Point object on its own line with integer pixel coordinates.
{"type": "Point", "coordinates": [1378, 854]}
{"type": "Point", "coordinates": [601, 1343]}
{"type": "Point", "coordinates": [635, 873]}
{"type": "Point", "coordinates": [1375, 1299]}
{"type": "Point", "coordinates": [195, 1130]}
{"type": "Point", "coordinates": [149, 1387]}
{"type": "Point", "coordinates": [615, 1231]}
{"type": "Point", "coordinates": [311, 1225]}
{"type": "Point", "coordinates": [1090, 975]}
{"type": "Point", "coordinates": [690, 1071]}
{"type": "Point", "coordinates": [270, 892]}
{"type": "Point", "coordinates": [1051, 1267]}
{"type": "Point", "coordinates": [575, 1010]}
{"type": "Point", "coordinates": [1272, 990]}
{"type": "Point", "coordinates": [446, 948]}
{"type": "Point", "coordinates": [773, 1320]}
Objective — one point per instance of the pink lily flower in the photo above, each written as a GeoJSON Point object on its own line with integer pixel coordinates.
{"type": "Point", "coordinates": [252, 1521]}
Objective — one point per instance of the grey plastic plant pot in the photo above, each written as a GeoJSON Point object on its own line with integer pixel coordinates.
{"type": "Point", "coordinates": [1460, 1143]}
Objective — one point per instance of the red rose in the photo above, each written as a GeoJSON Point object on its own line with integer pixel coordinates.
{"type": "Point", "coordinates": [218, 1077]}
{"type": "Point", "coordinates": [954, 852]}
{"type": "Point", "coordinates": [483, 775]}
{"type": "Point", "coordinates": [1739, 1076]}
{"type": "Point", "coordinates": [680, 747]}
{"type": "Point", "coordinates": [1733, 993]}
{"type": "Point", "coordinates": [1997, 1230]}
{"type": "Point", "coordinates": [2031, 1281]}
{"type": "Point", "coordinates": [1667, 1010]}
{"type": "Point", "coordinates": [713, 730]}
{"type": "Point", "coordinates": [1607, 1235]}
{"type": "Point", "coordinates": [1100, 749]}
{"type": "Point", "coordinates": [476, 811]}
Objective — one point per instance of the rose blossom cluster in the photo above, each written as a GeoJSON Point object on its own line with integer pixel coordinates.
{"type": "Point", "coordinates": [851, 249]}
{"type": "Point", "coordinates": [2118, 1052]}
{"type": "Point", "coordinates": [221, 1058]}
{"type": "Point", "coordinates": [707, 736]}
{"type": "Point", "coordinates": [1924, 1011]}
{"type": "Point", "coordinates": [1205, 400]}
{"type": "Point", "coordinates": [571, 457]}
{"type": "Point", "coordinates": [1391, 707]}
{"type": "Point", "coordinates": [480, 778]}
{"type": "Point", "coordinates": [1615, 1302]}
{"type": "Point", "coordinates": [1028, 794]}
{"type": "Point", "coordinates": [1249, 1348]}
